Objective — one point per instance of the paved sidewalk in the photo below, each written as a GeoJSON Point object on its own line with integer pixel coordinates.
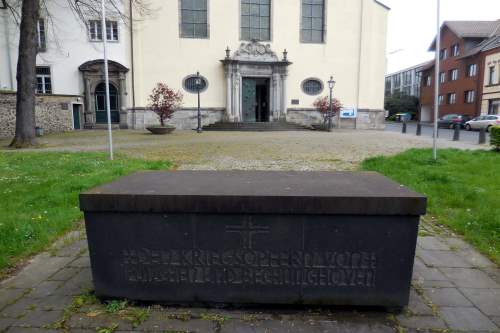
{"type": "Point", "coordinates": [455, 289]}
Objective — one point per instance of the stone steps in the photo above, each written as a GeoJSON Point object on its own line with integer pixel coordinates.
{"type": "Point", "coordinates": [256, 127]}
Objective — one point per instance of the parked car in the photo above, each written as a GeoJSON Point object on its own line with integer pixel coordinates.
{"type": "Point", "coordinates": [486, 122]}
{"type": "Point", "coordinates": [450, 120]}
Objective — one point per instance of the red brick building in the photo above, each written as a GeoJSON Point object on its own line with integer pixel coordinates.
{"type": "Point", "coordinates": [461, 69]}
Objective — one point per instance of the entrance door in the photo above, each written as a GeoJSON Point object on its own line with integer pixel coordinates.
{"type": "Point", "coordinates": [100, 104]}
{"type": "Point", "coordinates": [255, 100]}
{"type": "Point", "coordinates": [76, 116]}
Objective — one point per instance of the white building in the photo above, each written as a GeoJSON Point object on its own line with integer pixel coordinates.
{"type": "Point", "coordinates": [70, 59]}
{"type": "Point", "coordinates": [261, 60]}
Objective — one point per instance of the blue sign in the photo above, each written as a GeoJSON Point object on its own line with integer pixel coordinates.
{"type": "Point", "coordinates": [348, 112]}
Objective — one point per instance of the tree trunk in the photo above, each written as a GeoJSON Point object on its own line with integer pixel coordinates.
{"type": "Point", "coordinates": [26, 76]}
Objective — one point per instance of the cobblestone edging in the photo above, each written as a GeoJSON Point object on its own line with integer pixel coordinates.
{"type": "Point", "coordinates": [53, 113]}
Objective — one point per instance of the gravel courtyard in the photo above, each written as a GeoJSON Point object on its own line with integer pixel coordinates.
{"type": "Point", "coordinates": [341, 150]}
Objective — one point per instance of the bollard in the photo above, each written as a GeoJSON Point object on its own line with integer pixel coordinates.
{"type": "Point", "coordinates": [456, 133]}
{"type": "Point", "coordinates": [419, 129]}
{"type": "Point", "coordinates": [404, 127]}
{"type": "Point", "coordinates": [482, 136]}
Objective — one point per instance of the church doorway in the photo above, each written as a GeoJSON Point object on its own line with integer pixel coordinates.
{"type": "Point", "coordinates": [255, 99]}
{"type": "Point", "coordinates": [100, 104]}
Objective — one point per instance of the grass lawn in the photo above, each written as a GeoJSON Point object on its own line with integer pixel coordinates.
{"type": "Point", "coordinates": [39, 195]}
{"type": "Point", "coordinates": [463, 189]}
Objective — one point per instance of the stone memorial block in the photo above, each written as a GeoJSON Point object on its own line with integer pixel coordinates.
{"type": "Point", "coordinates": [258, 237]}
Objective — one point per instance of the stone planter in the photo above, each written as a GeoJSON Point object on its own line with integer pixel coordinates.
{"type": "Point", "coordinates": [161, 130]}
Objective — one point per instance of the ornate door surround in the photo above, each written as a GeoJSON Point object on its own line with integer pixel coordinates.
{"type": "Point", "coordinates": [256, 60]}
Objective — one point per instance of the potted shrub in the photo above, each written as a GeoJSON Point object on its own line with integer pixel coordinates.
{"type": "Point", "coordinates": [322, 104]}
{"type": "Point", "coordinates": [164, 102]}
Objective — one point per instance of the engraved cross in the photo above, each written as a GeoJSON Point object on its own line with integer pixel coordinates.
{"type": "Point", "coordinates": [247, 230]}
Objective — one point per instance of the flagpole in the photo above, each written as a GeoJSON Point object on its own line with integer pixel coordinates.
{"type": "Point", "coordinates": [437, 81]}
{"type": "Point", "coordinates": [106, 78]}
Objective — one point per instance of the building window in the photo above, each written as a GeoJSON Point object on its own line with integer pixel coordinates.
{"type": "Point", "coordinates": [493, 75]}
{"type": "Point", "coordinates": [494, 107]}
{"type": "Point", "coordinates": [313, 18]}
{"type": "Point", "coordinates": [455, 50]}
{"type": "Point", "coordinates": [452, 98]}
{"type": "Point", "coordinates": [43, 80]}
{"type": "Point", "coordinates": [443, 54]}
{"type": "Point", "coordinates": [442, 77]}
{"type": "Point", "coordinates": [256, 20]}
{"type": "Point", "coordinates": [441, 99]}
{"type": "Point", "coordinates": [194, 19]}
{"type": "Point", "coordinates": [312, 87]}
{"type": "Point", "coordinates": [95, 30]}
{"type": "Point", "coordinates": [470, 96]}
{"type": "Point", "coordinates": [472, 70]}
{"type": "Point", "coordinates": [428, 81]}
{"type": "Point", "coordinates": [453, 74]}
{"type": "Point", "coordinates": [40, 36]}
{"type": "Point", "coordinates": [189, 84]}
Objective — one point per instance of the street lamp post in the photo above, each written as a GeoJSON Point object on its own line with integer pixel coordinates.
{"type": "Point", "coordinates": [198, 87]}
{"type": "Point", "coordinates": [331, 85]}
{"type": "Point", "coordinates": [106, 77]}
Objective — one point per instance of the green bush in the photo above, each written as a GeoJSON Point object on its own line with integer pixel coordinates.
{"type": "Point", "coordinates": [495, 137]}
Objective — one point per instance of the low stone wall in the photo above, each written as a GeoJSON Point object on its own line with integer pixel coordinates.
{"type": "Point", "coordinates": [53, 113]}
{"type": "Point", "coordinates": [184, 119]}
{"type": "Point", "coordinates": [366, 119]}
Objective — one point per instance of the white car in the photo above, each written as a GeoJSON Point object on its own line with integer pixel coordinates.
{"type": "Point", "coordinates": [486, 122]}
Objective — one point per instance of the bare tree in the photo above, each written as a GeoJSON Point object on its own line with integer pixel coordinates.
{"type": "Point", "coordinates": [27, 13]}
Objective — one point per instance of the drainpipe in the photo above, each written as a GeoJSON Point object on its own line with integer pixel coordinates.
{"type": "Point", "coordinates": [360, 53]}
{"type": "Point", "coordinates": [132, 69]}
{"type": "Point", "coordinates": [7, 43]}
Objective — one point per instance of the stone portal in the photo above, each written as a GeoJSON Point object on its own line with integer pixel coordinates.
{"type": "Point", "coordinates": [254, 67]}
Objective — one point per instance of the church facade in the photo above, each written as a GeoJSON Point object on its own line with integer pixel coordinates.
{"type": "Point", "coordinates": [262, 60]}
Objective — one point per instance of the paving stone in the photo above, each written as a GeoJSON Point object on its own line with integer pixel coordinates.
{"type": "Point", "coordinates": [447, 297]}
{"type": "Point", "coordinates": [82, 321]}
{"type": "Point", "coordinates": [308, 326]}
{"type": "Point", "coordinates": [5, 323]}
{"type": "Point", "coordinates": [421, 322]}
{"type": "Point", "coordinates": [8, 296]}
{"type": "Point", "coordinates": [496, 320]}
{"type": "Point", "coordinates": [469, 278]}
{"type": "Point", "coordinates": [493, 273]}
{"type": "Point", "coordinates": [31, 330]}
{"type": "Point", "coordinates": [19, 308]}
{"type": "Point", "coordinates": [77, 285]}
{"type": "Point", "coordinates": [443, 259]}
{"type": "Point", "coordinates": [44, 289]}
{"type": "Point", "coordinates": [50, 303]}
{"type": "Point", "coordinates": [37, 318]}
{"type": "Point", "coordinates": [466, 319]}
{"type": "Point", "coordinates": [39, 269]}
{"type": "Point", "coordinates": [64, 274]}
{"type": "Point", "coordinates": [417, 304]}
{"type": "Point", "coordinates": [432, 243]}
{"type": "Point", "coordinates": [421, 272]}
{"type": "Point", "coordinates": [73, 249]}
{"type": "Point", "coordinates": [81, 262]}
{"type": "Point", "coordinates": [456, 243]}
{"type": "Point", "coordinates": [487, 300]}
{"type": "Point", "coordinates": [167, 325]}
{"type": "Point", "coordinates": [475, 258]}
{"type": "Point", "coordinates": [437, 284]}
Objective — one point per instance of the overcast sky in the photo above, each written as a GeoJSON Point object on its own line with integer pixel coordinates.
{"type": "Point", "coordinates": [412, 26]}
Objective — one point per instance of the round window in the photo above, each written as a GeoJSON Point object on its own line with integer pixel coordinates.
{"type": "Point", "coordinates": [189, 84]}
{"type": "Point", "coordinates": [312, 86]}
